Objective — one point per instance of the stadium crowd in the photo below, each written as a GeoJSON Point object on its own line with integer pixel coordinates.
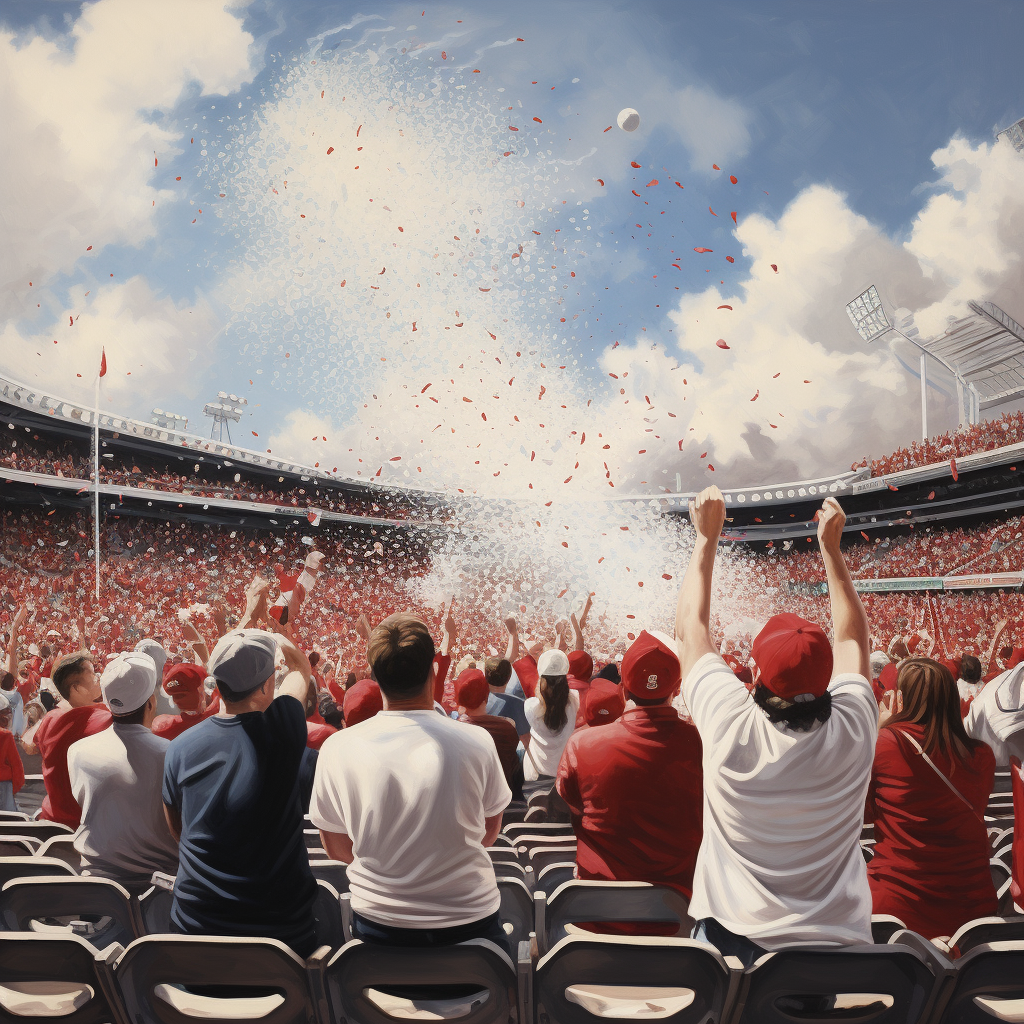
{"type": "Point", "coordinates": [742, 775]}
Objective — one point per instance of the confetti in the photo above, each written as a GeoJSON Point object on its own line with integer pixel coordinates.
{"type": "Point", "coordinates": [733, 215]}
{"type": "Point", "coordinates": [725, 306]}
{"type": "Point", "coordinates": [600, 182]}
{"type": "Point", "coordinates": [330, 150]}
{"type": "Point", "coordinates": [712, 212]}
{"type": "Point", "coordinates": [774, 267]}
{"type": "Point", "coordinates": [953, 469]}
{"type": "Point", "coordinates": [733, 178]}
{"type": "Point", "coordinates": [702, 249]}
{"type": "Point", "coordinates": [633, 163]}
{"type": "Point", "coordinates": [653, 181]}
{"type": "Point", "coordinates": [721, 343]}
{"type": "Point", "coordinates": [729, 259]}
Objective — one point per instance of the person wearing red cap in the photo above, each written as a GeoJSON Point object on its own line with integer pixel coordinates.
{"type": "Point", "coordinates": [786, 768]}
{"type": "Point", "coordinates": [634, 788]}
{"type": "Point", "coordinates": [472, 693]}
{"type": "Point", "coordinates": [605, 703]}
{"type": "Point", "coordinates": [185, 684]}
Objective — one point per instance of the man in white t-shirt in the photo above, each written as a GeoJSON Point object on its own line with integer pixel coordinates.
{"type": "Point", "coordinates": [409, 800]}
{"type": "Point", "coordinates": [996, 716]}
{"type": "Point", "coordinates": [786, 768]}
{"type": "Point", "coordinates": [116, 776]}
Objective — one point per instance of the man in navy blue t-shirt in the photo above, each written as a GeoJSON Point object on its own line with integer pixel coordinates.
{"type": "Point", "coordinates": [231, 796]}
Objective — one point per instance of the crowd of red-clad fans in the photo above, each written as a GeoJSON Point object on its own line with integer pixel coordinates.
{"type": "Point", "coordinates": [956, 444]}
{"type": "Point", "coordinates": [229, 684]}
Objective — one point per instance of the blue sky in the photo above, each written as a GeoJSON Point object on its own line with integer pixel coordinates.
{"type": "Point", "coordinates": [826, 114]}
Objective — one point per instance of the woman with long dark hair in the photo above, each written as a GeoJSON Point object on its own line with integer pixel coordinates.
{"type": "Point", "coordinates": [552, 716]}
{"type": "Point", "coordinates": [929, 788]}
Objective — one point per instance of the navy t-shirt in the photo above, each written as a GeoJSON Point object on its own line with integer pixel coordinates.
{"type": "Point", "coordinates": [243, 867]}
{"type": "Point", "coordinates": [508, 705]}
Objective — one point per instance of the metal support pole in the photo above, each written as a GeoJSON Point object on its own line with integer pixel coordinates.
{"type": "Point", "coordinates": [96, 487]}
{"type": "Point", "coordinates": [924, 396]}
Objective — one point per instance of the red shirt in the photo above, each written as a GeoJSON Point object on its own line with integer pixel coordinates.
{"type": "Point", "coordinates": [11, 768]}
{"type": "Point", "coordinates": [1017, 857]}
{"type": "Point", "coordinates": [55, 733]}
{"type": "Point", "coordinates": [317, 735]}
{"type": "Point", "coordinates": [635, 789]}
{"type": "Point", "coordinates": [526, 672]}
{"type": "Point", "coordinates": [171, 726]}
{"type": "Point", "coordinates": [931, 862]}
{"type": "Point", "coordinates": [444, 694]}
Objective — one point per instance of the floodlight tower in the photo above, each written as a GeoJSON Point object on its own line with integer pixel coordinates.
{"type": "Point", "coordinates": [168, 420]}
{"type": "Point", "coordinates": [1015, 135]}
{"type": "Point", "coordinates": [226, 409]}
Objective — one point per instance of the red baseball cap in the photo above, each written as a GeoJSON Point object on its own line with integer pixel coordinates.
{"type": "Point", "coordinates": [794, 657]}
{"type": "Point", "coordinates": [887, 677]}
{"type": "Point", "coordinates": [471, 689]}
{"type": "Point", "coordinates": [605, 702]}
{"type": "Point", "coordinates": [581, 666]}
{"type": "Point", "coordinates": [184, 684]}
{"type": "Point", "coordinates": [362, 701]}
{"type": "Point", "coordinates": [650, 668]}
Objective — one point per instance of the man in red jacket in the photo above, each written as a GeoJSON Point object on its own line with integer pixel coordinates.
{"type": "Point", "coordinates": [185, 685]}
{"type": "Point", "coordinates": [80, 713]}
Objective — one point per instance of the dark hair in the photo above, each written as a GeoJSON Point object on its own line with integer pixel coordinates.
{"type": "Point", "coordinates": [930, 698]}
{"type": "Point", "coordinates": [400, 652]}
{"type": "Point", "coordinates": [314, 659]}
{"type": "Point", "coordinates": [329, 711]}
{"type": "Point", "coordinates": [553, 692]}
{"type": "Point", "coordinates": [796, 715]}
{"type": "Point", "coordinates": [47, 699]}
{"type": "Point", "coordinates": [1005, 653]}
{"type": "Point", "coordinates": [970, 669]}
{"type": "Point", "coordinates": [67, 670]}
{"type": "Point", "coordinates": [7, 682]}
{"type": "Point", "coordinates": [610, 672]}
{"type": "Point", "coordinates": [498, 671]}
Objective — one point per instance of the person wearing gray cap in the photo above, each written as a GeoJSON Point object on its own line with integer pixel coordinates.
{"type": "Point", "coordinates": [116, 777]}
{"type": "Point", "coordinates": [231, 796]}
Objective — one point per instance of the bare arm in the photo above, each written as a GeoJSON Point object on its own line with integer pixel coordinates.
{"type": "Point", "coordinates": [196, 642]}
{"type": "Point", "coordinates": [492, 829]}
{"type": "Point", "coordinates": [561, 642]}
{"type": "Point", "coordinates": [586, 611]}
{"type": "Point", "coordinates": [338, 846]}
{"type": "Point", "coordinates": [173, 818]}
{"type": "Point", "coordinates": [451, 631]}
{"type": "Point", "coordinates": [994, 646]}
{"type": "Point", "coordinates": [12, 649]}
{"type": "Point", "coordinates": [693, 610]}
{"type": "Point", "coordinates": [577, 632]}
{"type": "Point", "coordinates": [851, 632]}
{"type": "Point", "coordinates": [255, 603]}
{"type": "Point", "coordinates": [297, 683]}
{"type": "Point", "coordinates": [512, 649]}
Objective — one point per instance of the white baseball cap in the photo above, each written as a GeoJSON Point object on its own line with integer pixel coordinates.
{"type": "Point", "coordinates": [242, 661]}
{"type": "Point", "coordinates": [553, 663]}
{"type": "Point", "coordinates": [128, 681]}
{"type": "Point", "coordinates": [155, 651]}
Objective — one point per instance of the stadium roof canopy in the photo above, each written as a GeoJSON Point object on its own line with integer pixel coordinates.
{"type": "Point", "coordinates": [986, 350]}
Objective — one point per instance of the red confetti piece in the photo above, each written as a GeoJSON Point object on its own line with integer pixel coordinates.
{"type": "Point", "coordinates": [681, 186]}
{"type": "Point", "coordinates": [712, 212]}
{"type": "Point", "coordinates": [358, 130]}
{"type": "Point", "coordinates": [893, 487]}
{"type": "Point", "coordinates": [476, 71]}
{"type": "Point", "coordinates": [538, 120]}
{"type": "Point", "coordinates": [702, 249]}
{"type": "Point", "coordinates": [321, 94]}
{"type": "Point", "coordinates": [712, 468]}
{"type": "Point", "coordinates": [953, 469]}
{"type": "Point", "coordinates": [721, 343]}
{"type": "Point", "coordinates": [733, 215]}
{"type": "Point", "coordinates": [864, 535]}
{"type": "Point", "coordinates": [154, 161]}
{"type": "Point", "coordinates": [608, 129]}
{"type": "Point", "coordinates": [470, 400]}
{"type": "Point", "coordinates": [395, 458]}
{"type": "Point", "coordinates": [676, 265]}
{"type": "Point", "coordinates": [775, 268]}
{"type": "Point", "coordinates": [511, 128]}
{"type": "Point", "coordinates": [776, 375]}
{"type": "Point", "coordinates": [931, 495]}
{"type": "Point", "coordinates": [87, 248]}
{"type": "Point", "coordinates": [342, 285]}
{"type": "Point", "coordinates": [756, 393]}
{"type": "Point", "coordinates": [633, 163]}
{"type": "Point", "coordinates": [729, 259]}
{"type": "Point", "coordinates": [715, 167]}
{"type": "Point", "coordinates": [807, 382]}
{"type": "Point", "coordinates": [600, 182]}
{"type": "Point", "coordinates": [704, 455]}
{"type": "Point", "coordinates": [254, 434]}
{"type": "Point", "coordinates": [444, 56]}
{"type": "Point", "coordinates": [653, 181]}
{"type": "Point", "coordinates": [330, 150]}
{"type": "Point", "coordinates": [724, 306]}
{"type": "Point", "coordinates": [634, 191]}
{"type": "Point", "coordinates": [424, 388]}
{"type": "Point", "coordinates": [519, 39]}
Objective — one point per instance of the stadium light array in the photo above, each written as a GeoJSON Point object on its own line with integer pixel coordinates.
{"type": "Point", "coordinates": [168, 420]}
{"type": "Point", "coordinates": [867, 315]}
{"type": "Point", "coordinates": [228, 409]}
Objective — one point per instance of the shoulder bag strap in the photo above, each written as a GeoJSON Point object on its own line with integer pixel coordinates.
{"type": "Point", "coordinates": [934, 767]}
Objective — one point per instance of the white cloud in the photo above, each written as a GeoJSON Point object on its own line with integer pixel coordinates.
{"type": "Point", "coordinates": [79, 136]}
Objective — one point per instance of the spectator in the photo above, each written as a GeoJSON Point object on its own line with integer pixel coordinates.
{"type": "Point", "coordinates": [116, 777]}
{"type": "Point", "coordinates": [929, 788]}
{"type": "Point", "coordinates": [419, 875]}
{"type": "Point", "coordinates": [605, 702]}
{"type": "Point", "coordinates": [80, 713]}
{"type": "Point", "coordinates": [996, 716]}
{"type": "Point", "coordinates": [498, 671]}
{"type": "Point", "coordinates": [969, 683]}
{"type": "Point", "coordinates": [634, 789]}
{"type": "Point", "coordinates": [231, 796]}
{"type": "Point", "coordinates": [185, 684]}
{"type": "Point", "coordinates": [552, 717]}
{"type": "Point", "coordinates": [362, 700]}
{"type": "Point", "coordinates": [12, 772]}
{"type": "Point", "coordinates": [472, 692]}
{"type": "Point", "coordinates": [786, 768]}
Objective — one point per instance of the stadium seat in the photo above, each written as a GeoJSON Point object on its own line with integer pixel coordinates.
{"type": "Point", "coordinates": [41, 830]}
{"type": "Point", "coordinates": [579, 902]}
{"type": "Point", "coordinates": [503, 840]}
{"type": "Point", "coordinates": [312, 838]}
{"type": "Point", "coordinates": [51, 981]}
{"type": "Point", "coordinates": [327, 916]}
{"type": "Point", "coordinates": [988, 985]}
{"type": "Point", "coordinates": [62, 847]}
{"type": "Point", "coordinates": [31, 867]}
{"type": "Point", "coordinates": [511, 869]}
{"type": "Point", "coordinates": [554, 875]}
{"type": "Point", "coordinates": [540, 857]}
{"type": "Point", "coordinates": [516, 910]}
{"type": "Point", "coordinates": [473, 982]}
{"type": "Point", "coordinates": [884, 926]}
{"type": "Point", "coordinates": [18, 846]}
{"type": "Point", "coordinates": [6, 816]}
{"type": "Point", "coordinates": [515, 812]}
{"type": "Point", "coordinates": [987, 929]}
{"type": "Point", "coordinates": [25, 902]}
{"type": "Point", "coordinates": [502, 855]}
{"type": "Point", "coordinates": [532, 839]}
{"type": "Point", "coordinates": [526, 828]}
{"type": "Point", "coordinates": [1001, 879]}
{"type": "Point", "coordinates": [586, 980]}
{"type": "Point", "coordinates": [154, 909]}
{"type": "Point", "coordinates": [154, 973]}
{"type": "Point", "coordinates": [888, 984]}
{"type": "Point", "coordinates": [1005, 856]}
{"type": "Point", "coordinates": [332, 871]}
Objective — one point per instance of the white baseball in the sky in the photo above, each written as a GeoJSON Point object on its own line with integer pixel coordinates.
{"type": "Point", "coordinates": [628, 120]}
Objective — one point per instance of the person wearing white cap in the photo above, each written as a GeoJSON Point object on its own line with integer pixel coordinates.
{"type": "Point", "coordinates": [231, 795]}
{"type": "Point", "coordinates": [552, 717]}
{"type": "Point", "coordinates": [116, 777]}
{"type": "Point", "coordinates": [156, 651]}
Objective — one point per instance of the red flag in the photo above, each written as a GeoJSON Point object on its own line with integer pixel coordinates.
{"type": "Point", "coordinates": [103, 363]}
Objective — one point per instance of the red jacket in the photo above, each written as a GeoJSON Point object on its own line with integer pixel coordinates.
{"type": "Point", "coordinates": [55, 733]}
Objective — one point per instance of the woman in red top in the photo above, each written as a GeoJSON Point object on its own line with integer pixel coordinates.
{"type": "Point", "coordinates": [929, 788]}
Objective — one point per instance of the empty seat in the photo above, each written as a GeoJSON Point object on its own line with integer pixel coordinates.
{"type": "Point", "coordinates": [31, 867]}
{"type": "Point", "coordinates": [1002, 880]}
{"type": "Point", "coordinates": [327, 916]}
{"type": "Point", "coordinates": [153, 975]}
{"type": "Point", "coordinates": [987, 929]}
{"type": "Point", "coordinates": [537, 828]}
{"type": "Point", "coordinates": [312, 839]}
{"type": "Point", "coordinates": [541, 857]}
{"type": "Point", "coordinates": [25, 902]}
{"type": "Point", "coordinates": [884, 927]}
{"type": "Point", "coordinates": [988, 985]}
{"type": "Point", "coordinates": [41, 830]}
{"type": "Point", "coordinates": [18, 846]}
{"type": "Point", "coordinates": [333, 871]}
{"type": "Point", "coordinates": [63, 848]}
{"type": "Point", "coordinates": [51, 981]}
{"type": "Point", "coordinates": [516, 910]}
{"type": "Point", "coordinates": [13, 816]}
{"type": "Point", "coordinates": [555, 875]}
{"type": "Point", "coordinates": [586, 980]}
{"type": "Point", "coordinates": [473, 982]}
{"type": "Point", "coordinates": [580, 902]}
{"type": "Point", "coordinates": [502, 855]}
{"type": "Point", "coordinates": [154, 910]}
{"type": "Point", "coordinates": [511, 869]}
{"type": "Point", "coordinates": [883, 984]}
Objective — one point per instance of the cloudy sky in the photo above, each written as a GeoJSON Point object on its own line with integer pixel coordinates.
{"type": "Point", "coordinates": [417, 241]}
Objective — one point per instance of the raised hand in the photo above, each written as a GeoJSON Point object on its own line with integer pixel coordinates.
{"type": "Point", "coordinates": [831, 519]}
{"type": "Point", "coordinates": [707, 513]}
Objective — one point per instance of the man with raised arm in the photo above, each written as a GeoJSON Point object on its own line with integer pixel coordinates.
{"type": "Point", "coordinates": [786, 768]}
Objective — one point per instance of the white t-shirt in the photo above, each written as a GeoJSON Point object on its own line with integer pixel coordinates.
{"type": "Point", "coordinates": [117, 778]}
{"type": "Point", "coordinates": [996, 716]}
{"type": "Point", "coordinates": [412, 789]}
{"type": "Point", "coordinates": [546, 747]}
{"type": "Point", "coordinates": [780, 861]}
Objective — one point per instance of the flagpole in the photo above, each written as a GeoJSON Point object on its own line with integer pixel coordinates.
{"type": "Point", "coordinates": [96, 486]}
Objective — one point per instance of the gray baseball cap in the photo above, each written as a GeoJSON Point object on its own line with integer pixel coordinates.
{"type": "Point", "coordinates": [242, 661]}
{"type": "Point", "coordinates": [156, 652]}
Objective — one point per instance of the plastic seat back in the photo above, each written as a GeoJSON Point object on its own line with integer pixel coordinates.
{"type": "Point", "coordinates": [50, 981]}
{"type": "Point", "coordinates": [884, 927]}
{"type": "Point", "coordinates": [988, 986]}
{"type": "Point", "coordinates": [41, 830]}
{"type": "Point", "coordinates": [334, 872]}
{"type": "Point", "coordinates": [527, 828]}
{"type": "Point", "coordinates": [327, 916]}
{"type": "Point", "coordinates": [262, 979]}
{"type": "Point", "coordinates": [555, 875]}
{"type": "Point", "coordinates": [63, 848]}
{"type": "Point", "coordinates": [31, 867]}
{"type": "Point", "coordinates": [881, 984]}
{"type": "Point", "coordinates": [540, 857]}
{"type": "Point", "coordinates": [53, 903]}
{"type": "Point", "coordinates": [473, 982]}
{"type": "Point", "coordinates": [578, 902]}
{"type": "Point", "coordinates": [18, 846]}
{"type": "Point", "coordinates": [585, 980]}
{"type": "Point", "coordinates": [985, 930]}
{"type": "Point", "coordinates": [516, 910]}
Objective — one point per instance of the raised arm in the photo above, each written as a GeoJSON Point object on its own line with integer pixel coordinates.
{"type": "Point", "coordinates": [994, 646]}
{"type": "Point", "coordinates": [577, 632]}
{"type": "Point", "coordinates": [586, 611]}
{"type": "Point", "coordinates": [851, 633]}
{"type": "Point", "coordinates": [451, 630]}
{"type": "Point", "coordinates": [255, 603]}
{"type": "Point", "coordinates": [693, 610]}
{"type": "Point", "coordinates": [198, 645]}
{"type": "Point", "coordinates": [12, 647]}
{"type": "Point", "coordinates": [560, 642]}
{"type": "Point", "coordinates": [512, 649]}
{"type": "Point", "coordinates": [296, 682]}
